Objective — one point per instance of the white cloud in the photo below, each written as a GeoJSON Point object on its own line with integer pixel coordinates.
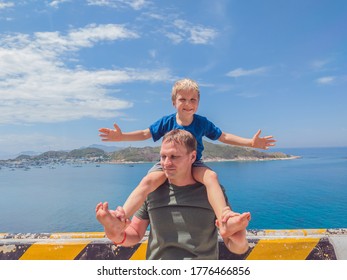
{"type": "Point", "coordinates": [37, 86]}
{"type": "Point", "coordinates": [56, 3]}
{"type": "Point", "coordinates": [248, 94]}
{"type": "Point", "coordinates": [175, 38]}
{"type": "Point", "coordinates": [326, 80]}
{"type": "Point", "coordinates": [82, 37]}
{"type": "Point", "coordinates": [155, 16]}
{"type": "Point", "coordinates": [194, 34]}
{"type": "Point", "coordinates": [4, 5]}
{"type": "Point", "coordinates": [239, 72]}
{"type": "Point", "coordinates": [135, 4]}
{"type": "Point", "coordinates": [152, 53]}
{"type": "Point", "coordinates": [176, 29]}
{"type": "Point", "coordinates": [319, 64]}
{"type": "Point", "coordinates": [201, 35]}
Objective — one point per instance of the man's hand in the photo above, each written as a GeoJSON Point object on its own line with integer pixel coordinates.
{"type": "Point", "coordinates": [233, 230]}
{"type": "Point", "coordinates": [120, 213]}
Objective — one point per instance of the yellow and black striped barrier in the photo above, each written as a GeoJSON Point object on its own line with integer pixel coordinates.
{"type": "Point", "coordinates": [310, 244]}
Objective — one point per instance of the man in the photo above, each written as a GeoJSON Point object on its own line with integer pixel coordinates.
{"type": "Point", "coordinates": [182, 222]}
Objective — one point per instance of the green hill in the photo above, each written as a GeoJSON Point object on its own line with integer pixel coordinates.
{"type": "Point", "coordinates": [227, 152]}
{"type": "Point", "coordinates": [212, 152]}
{"type": "Point", "coordinates": [146, 154]}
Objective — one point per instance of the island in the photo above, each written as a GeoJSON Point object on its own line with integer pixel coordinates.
{"type": "Point", "coordinates": [212, 153]}
{"type": "Point", "coordinates": [76, 157]}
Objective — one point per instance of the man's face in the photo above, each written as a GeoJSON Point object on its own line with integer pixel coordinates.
{"type": "Point", "coordinates": [176, 161]}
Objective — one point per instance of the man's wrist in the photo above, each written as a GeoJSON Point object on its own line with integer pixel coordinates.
{"type": "Point", "coordinates": [243, 251]}
{"type": "Point", "coordinates": [239, 247]}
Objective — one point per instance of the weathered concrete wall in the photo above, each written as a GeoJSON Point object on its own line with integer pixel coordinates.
{"type": "Point", "coordinates": [310, 244]}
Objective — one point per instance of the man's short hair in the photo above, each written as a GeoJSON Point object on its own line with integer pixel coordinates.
{"type": "Point", "coordinates": [181, 137]}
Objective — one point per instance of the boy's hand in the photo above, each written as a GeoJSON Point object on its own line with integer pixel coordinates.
{"type": "Point", "coordinates": [108, 134]}
{"type": "Point", "coordinates": [262, 142]}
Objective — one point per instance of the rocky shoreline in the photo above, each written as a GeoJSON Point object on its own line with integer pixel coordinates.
{"type": "Point", "coordinates": [212, 153]}
{"type": "Point", "coordinates": [240, 159]}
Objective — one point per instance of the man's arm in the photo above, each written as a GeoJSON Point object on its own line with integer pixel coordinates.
{"type": "Point", "coordinates": [132, 234]}
{"type": "Point", "coordinates": [116, 134]}
{"type": "Point", "coordinates": [255, 142]}
{"type": "Point", "coordinates": [135, 231]}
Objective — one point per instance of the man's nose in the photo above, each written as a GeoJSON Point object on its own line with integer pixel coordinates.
{"type": "Point", "coordinates": [167, 161]}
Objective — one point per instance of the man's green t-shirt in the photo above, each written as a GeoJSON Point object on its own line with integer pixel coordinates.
{"type": "Point", "coordinates": [182, 223]}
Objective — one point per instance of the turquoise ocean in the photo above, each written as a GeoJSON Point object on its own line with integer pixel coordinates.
{"type": "Point", "coordinates": [310, 192]}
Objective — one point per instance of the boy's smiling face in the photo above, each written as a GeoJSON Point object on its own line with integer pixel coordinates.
{"type": "Point", "coordinates": [186, 102]}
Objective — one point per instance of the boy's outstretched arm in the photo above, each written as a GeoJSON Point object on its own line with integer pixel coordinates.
{"type": "Point", "coordinates": [116, 134]}
{"type": "Point", "coordinates": [255, 142]}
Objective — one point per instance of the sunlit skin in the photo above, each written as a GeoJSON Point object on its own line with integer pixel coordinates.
{"type": "Point", "coordinates": [186, 104]}
{"type": "Point", "coordinates": [177, 163]}
{"type": "Point", "coordinates": [185, 100]}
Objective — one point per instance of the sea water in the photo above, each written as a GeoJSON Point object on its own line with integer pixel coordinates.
{"type": "Point", "coordinates": [310, 192]}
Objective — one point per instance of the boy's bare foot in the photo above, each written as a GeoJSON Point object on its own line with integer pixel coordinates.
{"type": "Point", "coordinates": [232, 222]}
{"type": "Point", "coordinates": [113, 226]}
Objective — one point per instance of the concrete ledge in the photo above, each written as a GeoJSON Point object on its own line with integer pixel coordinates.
{"type": "Point", "coordinates": [303, 244]}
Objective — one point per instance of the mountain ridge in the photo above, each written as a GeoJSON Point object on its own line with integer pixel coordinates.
{"type": "Point", "coordinates": [212, 152]}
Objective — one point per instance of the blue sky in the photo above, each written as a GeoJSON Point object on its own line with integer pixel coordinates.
{"type": "Point", "coordinates": [69, 67]}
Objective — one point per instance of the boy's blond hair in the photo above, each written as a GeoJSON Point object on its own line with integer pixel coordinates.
{"type": "Point", "coordinates": [182, 137]}
{"type": "Point", "coordinates": [184, 84]}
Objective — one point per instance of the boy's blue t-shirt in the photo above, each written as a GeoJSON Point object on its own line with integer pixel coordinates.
{"type": "Point", "coordinates": [199, 127]}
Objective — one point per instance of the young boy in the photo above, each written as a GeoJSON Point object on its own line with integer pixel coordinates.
{"type": "Point", "coordinates": [185, 98]}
